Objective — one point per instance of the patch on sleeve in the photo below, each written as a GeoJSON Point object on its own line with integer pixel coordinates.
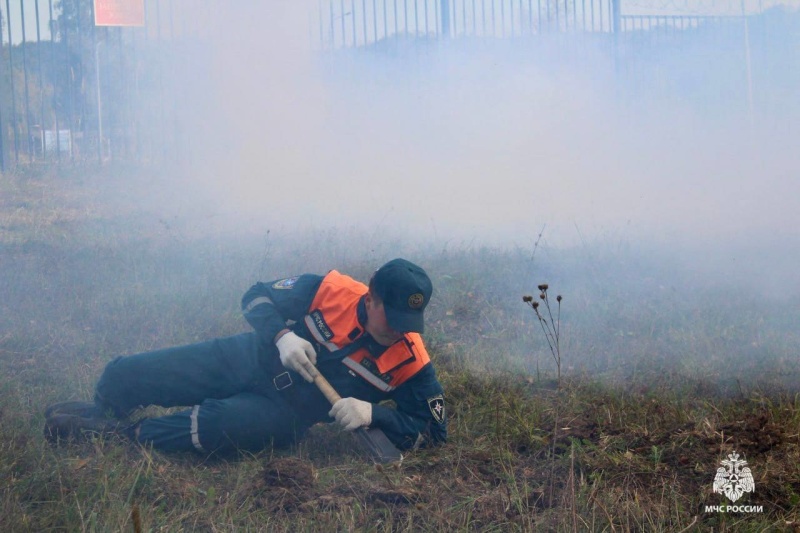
{"type": "Point", "coordinates": [436, 405]}
{"type": "Point", "coordinates": [287, 283]}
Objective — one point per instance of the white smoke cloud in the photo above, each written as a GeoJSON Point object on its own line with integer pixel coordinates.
{"type": "Point", "coordinates": [464, 140]}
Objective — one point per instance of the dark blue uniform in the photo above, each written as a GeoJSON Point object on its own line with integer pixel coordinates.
{"type": "Point", "coordinates": [242, 398]}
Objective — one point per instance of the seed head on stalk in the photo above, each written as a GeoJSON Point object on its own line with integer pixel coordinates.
{"type": "Point", "coordinates": [551, 328]}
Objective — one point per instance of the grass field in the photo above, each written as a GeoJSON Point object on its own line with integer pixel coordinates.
{"type": "Point", "coordinates": [664, 376]}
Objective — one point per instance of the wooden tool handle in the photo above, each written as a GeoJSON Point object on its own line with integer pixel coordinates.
{"type": "Point", "coordinates": [375, 441]}
{"type": "Point", "coordinates": [326, 389]}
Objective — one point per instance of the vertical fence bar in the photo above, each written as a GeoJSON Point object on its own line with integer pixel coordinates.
{"type": "Point", "coordinates": [445, 18]}
{"type": "Point", "coordinates": [79, 37]}
{"type": "Point", "coordinates": [24, 47]}
{"type": "Point", "coordinates": [483, 17]}
{"type": "Point", "coordinates": [58, 82]}
{"type": "Point", "coordinates": [138, 35]}
{"type": "Point", "coordinates": [364, 19]}
{"type": "Point", "coordinates": [2, 129]}
{"type": "Point", "coordinates": [173, 84]}
{"type": "Point", "coordinates": [547, 13]}
{"type": "Point", "coordinates": [99, 101]}
{"type": "Point", "coordinates": [574, 14]}
{"type": "Point", "coordinates": [332, 19]}
{"type": "Point", "coordinates": [2, 134]}
{"type": "Point", "coordinates": [341, 17]}
{"type": "Point", "coordinates": [321, 32]}
{"type": "Point", "coordinates": [502, 18]}
{"type": "Point", "coordinates": [353, 22]}
{"type": "Point", "coordinates": [14, 121]}
{"type": "Point", "coordinates": [374, 21]}
{"type": "Point", "coordinates": [454, 15]}
{"type": "Point", "coordinates": [416, 18]}
{"type": "Point", "coordinates": [385, 20]}
{"type": "Point", "coordinates": [583, 14]}
{"type": "Point", "coordinates": [41, 80]}
{"type": "Point", "coordinates": [511, 15]}
{"type": "Point", "coordinates": [558, 17]}
{"type": "Point", "coordinates": [474, 19]}
{"type": "Point", "coordinates": [601, 16]}
{"type": "Point", "coordinates": [494, 20]}
{"type": "Point", "coordinates": [464, 17]}
{"type": "Point", "coordinates": [70, 85]}
{"type": "Point", "coordinates": [161, 107]}
{"type": "Point", "coordinates": [124, 136]}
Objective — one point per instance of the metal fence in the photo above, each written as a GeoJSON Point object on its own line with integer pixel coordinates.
{"type": "Point", "coordinates": [72, 92]}
{"type": "Point", "coordinates": [352, 23]}
{"type": "Point", "coordinates": [708, 53]}
{"type": "Point", "coordinates": [355, 23]}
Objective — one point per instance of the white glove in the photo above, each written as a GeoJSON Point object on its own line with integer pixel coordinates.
{"type": "Point", "coordinates": [297, 354]}
{"type": "Point", "coordinates": [352, 413]}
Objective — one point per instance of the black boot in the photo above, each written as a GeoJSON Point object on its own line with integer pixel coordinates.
{"type": "Point", "coordinates": [65, 426]}
{"type": "Point", "coordinates": [75, 407]}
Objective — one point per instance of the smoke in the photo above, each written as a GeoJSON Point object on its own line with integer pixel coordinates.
{"type": "Point", "coordinates": [469, 140]}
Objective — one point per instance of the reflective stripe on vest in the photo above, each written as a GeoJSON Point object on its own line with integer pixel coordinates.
{"type": "Point", "coordinates": [317, 334]}
{"type": "Point", "coordinates": [366, 374]}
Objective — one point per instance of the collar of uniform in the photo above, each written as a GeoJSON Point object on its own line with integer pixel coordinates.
{"type": "Point", "coordinates": [361, 311]}
{"type": "Point", "coordinates": [374, 349]}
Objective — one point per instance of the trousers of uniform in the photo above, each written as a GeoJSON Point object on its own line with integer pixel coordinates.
{"type": "Point", "coordinates": [238, 396]}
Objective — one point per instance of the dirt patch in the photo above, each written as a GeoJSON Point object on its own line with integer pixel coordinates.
{"type": "Point", "coordinates": [755, 434]}
{"type": "Point", "coordinates": [285, 484]}
{"type": "Point", "coordinates": [289, 473]}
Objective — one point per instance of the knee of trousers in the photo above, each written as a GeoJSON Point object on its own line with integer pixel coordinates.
{"type": "Point", "coordinates": [224, 427]}
{"type": "Point", "coordinates": [111, 391]}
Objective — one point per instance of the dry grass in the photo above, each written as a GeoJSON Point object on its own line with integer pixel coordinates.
{"type": "Point", "coordinates": [656, 389]}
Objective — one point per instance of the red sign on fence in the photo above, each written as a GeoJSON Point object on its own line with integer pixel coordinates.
{"type": "Point", "coordinates": [119, 12]}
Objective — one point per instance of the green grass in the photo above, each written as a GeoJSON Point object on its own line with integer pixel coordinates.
{"type": "Point", "coordinates": [662, 378]}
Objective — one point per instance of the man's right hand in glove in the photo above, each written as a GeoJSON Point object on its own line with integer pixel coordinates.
{"type": "Point", "coordinates": [297, 354]}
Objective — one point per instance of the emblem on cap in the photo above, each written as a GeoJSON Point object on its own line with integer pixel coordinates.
{"type": "Point", "coordinates": [416, 300]}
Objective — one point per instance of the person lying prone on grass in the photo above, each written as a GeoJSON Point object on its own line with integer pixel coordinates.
{"type": "Point", "coordinates": [255, 389]}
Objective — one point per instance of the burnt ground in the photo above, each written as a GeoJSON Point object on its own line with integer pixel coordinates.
{"type": "Point", "coordinates": [652, 469]}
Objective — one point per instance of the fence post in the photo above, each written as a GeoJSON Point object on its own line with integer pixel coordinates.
{"type": "Point", "coordinates": [11, 83]}
{"type": "Point", "coordinates": [2, 131]}
{"type": "Point", "coordinates": [616, 10]}
{"type": "Point", "coordinates": [2, 147]}
{"type": "Point", "coordinates": [446, 18]}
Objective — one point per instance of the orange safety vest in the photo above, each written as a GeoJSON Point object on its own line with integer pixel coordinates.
{"type": "Point", "coordinates": [332, 320]}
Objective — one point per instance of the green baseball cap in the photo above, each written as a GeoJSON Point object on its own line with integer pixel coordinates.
{"type": "Point", "coordinates": [405, 290]}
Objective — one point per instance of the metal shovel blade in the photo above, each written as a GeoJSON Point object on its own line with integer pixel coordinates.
{"type": "Point", "coordinates": [378, 445]}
